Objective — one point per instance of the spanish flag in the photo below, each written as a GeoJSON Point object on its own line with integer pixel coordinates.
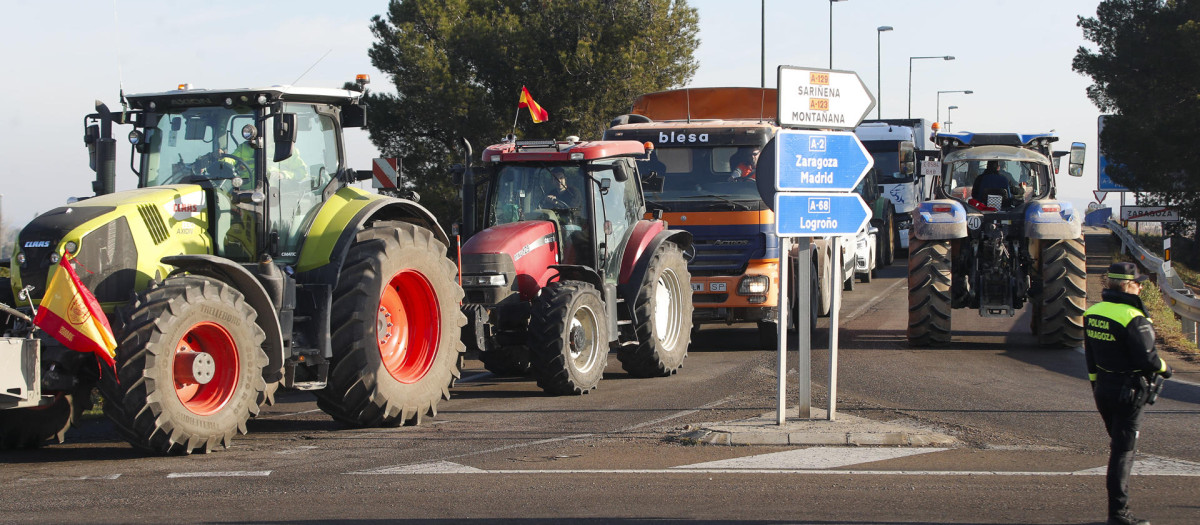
{"type": "Point", "coordinates": [71, 314]}
{"type": "Point", "coordinates": [536, 112]}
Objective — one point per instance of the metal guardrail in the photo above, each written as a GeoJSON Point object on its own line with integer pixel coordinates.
{"type": "Point", "coordinates": [1176, 294]}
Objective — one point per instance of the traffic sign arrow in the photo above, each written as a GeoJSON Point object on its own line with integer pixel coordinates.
{"type": "Point", "coordinates": [819, 214]}
{"type": "Point", "coordinates": [819, 161]}
{"type": "Point", "coordinates": [822, 98]}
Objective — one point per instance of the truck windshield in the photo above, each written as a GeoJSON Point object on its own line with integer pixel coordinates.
{"type": "Point", "coordinates": [719, 174]}
{"type": "Point", "coordinates": [197, 143]}
{"type": "Point", "coordinates": [891, 156]}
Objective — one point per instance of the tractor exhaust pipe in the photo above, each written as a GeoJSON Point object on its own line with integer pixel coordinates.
{"type": "Point", "coordinates": [468, 191]}
{"type": "Point", "coordinates": [102, 149]}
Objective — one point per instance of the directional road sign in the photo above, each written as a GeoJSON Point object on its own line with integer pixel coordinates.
{"type": "Point", "coordinates": [1103, 181]}
{"type": "Point", "coordinates": [822, 98]}
{"type": "Point", "coordinates": [1149, 214]}
{"type": "Point", "coordinates": [819, 161]}
{"type": "Point", "coordinates": [819, 214]}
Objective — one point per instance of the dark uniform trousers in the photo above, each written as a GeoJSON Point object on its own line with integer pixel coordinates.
{"type": "Point", "coordinates": [1120, 399]}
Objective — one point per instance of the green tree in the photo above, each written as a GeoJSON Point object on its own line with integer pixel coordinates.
{"type": "Point", "coordinates": [1146, 73]}
{"type": "Point", "coordinates": [458, 67]}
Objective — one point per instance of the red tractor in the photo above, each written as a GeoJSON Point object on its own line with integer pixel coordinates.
{"type": "Point", "coordinates": [559, 265]}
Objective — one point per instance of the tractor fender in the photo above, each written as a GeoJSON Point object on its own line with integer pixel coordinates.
{"type": "Point", "coordinates": [645, 239]}
{"type": "Point", "coordinates": [1049, 219]}
{"type": "Point", "coordinates": [347, 212]}
{"type": "Point", "coordinates": [239, 277]}
{"type": "Point", "coordinates": [629, 283]}
{"type": "Point", "coordinates": [939, 219]}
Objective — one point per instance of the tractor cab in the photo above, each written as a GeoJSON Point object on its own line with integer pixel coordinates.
{"type": "Point", "coordinates": [995, 172]}
{"type": "Point", "coordinates": [268, 159]}
{"type": "Point", "coordinates": [577, 201]}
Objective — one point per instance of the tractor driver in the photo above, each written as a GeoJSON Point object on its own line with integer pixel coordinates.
{"type": "Point", "coordinates": [990, 180]}
{"type": "Point", "coordinates": [560, 194]}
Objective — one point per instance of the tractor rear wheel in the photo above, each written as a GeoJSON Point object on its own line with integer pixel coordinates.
{"type": "Point", "coordinates": [568, 338]}
{"type": "Point", "coordinates": [928, 292]}
{"type": "Point", "coordinates": [507, 360]}
{"type": "Point", "coordinates": [189, 364]}
{"type": "Point", "coordinates": [1064, 293]}
{"type": "Point", "coordinates": [663, 308]}
{"type": "Point", "coordinates": [396, 329]}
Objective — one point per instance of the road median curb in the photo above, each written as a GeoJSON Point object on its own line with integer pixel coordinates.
{"type": "Point", "coordinates": [845, 430]}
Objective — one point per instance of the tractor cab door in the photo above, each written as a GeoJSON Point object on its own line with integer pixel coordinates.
{"type": "Point", "coordinates": [296, 185]}
{"type": "Point", "coordinates": [618, 206]}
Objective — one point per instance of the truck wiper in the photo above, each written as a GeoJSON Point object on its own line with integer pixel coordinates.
{"type": "Point", "coordinates": [735, 204]}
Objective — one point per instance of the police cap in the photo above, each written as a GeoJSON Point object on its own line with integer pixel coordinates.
{"type": "Point", "coordinates": [1127, 271]}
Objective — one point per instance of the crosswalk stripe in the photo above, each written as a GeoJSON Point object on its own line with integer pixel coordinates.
{"type": "Point", "coordinates": [225, 474]}
{"type": "Point", "coordinates": [813, 458]}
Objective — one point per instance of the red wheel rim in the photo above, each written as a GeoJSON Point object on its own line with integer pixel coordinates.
{"type": "Point", "coordinates": [209, 394]}
{"type": "Point", "coordinates": [408, 326]}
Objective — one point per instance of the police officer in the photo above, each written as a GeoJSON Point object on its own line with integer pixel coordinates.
{"type": "Point", "coordinates": [1121, 364]}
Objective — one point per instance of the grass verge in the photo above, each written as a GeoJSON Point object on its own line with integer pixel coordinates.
{"type": "Point", "coordinates": [1168, 330]}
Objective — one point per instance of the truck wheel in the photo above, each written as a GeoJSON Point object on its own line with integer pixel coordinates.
{"type": "Point", "coordinates": [848, 284]}
{"type": "Point", "coordinates": [825, 284]}
{"type": "Point", "coordinates": [1064, 293]}
{"type": "Point", "coordinates": [568, 335]}
{"type": "Point", "coordinates": [190, 364]}
{"type": "Point", "coordinates": [928, 292]}
{"type": "Point", "coordinates": [396, 329]}
{"type": "Point", "coordinates": [37, 426]}
{"type": "Point", "coordinates": [664, 311]}
{"type": "Point", "coordinates": [507, 361]}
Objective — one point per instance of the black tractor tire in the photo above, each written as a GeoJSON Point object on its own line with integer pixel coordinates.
{"type": "Point", "coordinates": [888, 240]}
{"type": "Point", "coordinates": [568, 338]}
{"type": "Point", "coordinates": [158, 404]}
{"type": "Point", "coordinates": [396, 324]}
{"type": "Point", "coordinates": [507, 361]}
{"type": "Point", "coordinates": [1064, 293]}
{"type": "Point", "coordinates": [663, 308]}
{"type": "Point", "coordinates": [23, 428]}
{"type": "Point", "coordinates": [928, 292]}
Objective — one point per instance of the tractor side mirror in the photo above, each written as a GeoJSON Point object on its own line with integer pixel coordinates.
{"type": "Point", "coordinates": [621, 172]}
{"type": "Point", "coordinates": [285, 136]}
{"type": "Point", "coordinates": [354, 116]}
{"type": "Point", "coordinates": [91, 135]}
{"type": "Point", "coordinates": [1075, 164]}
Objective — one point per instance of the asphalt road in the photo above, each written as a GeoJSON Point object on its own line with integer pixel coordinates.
{"type": "Point", "coordinates": [1031, 447]}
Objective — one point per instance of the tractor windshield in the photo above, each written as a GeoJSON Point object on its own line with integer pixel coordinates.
{"type": "Point", "coordinates": [703, 177]}
{"type": "Point", "coordinates": [523, 192]}
{"type": "Point", "coordinates": [198, 143]}
{"type": "Point", "coordinates": [1008, 182]}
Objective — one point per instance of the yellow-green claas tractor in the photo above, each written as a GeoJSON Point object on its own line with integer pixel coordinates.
{"type": "Point", "coordinates": [245, 261]}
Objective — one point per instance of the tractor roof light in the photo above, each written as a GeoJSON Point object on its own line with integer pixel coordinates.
{"type": "Point", "coordinates": [362, 79]}
{"type": "Point", "coordinates": [184, 87]}
{"type": "Point", "coordinates": [576, 156]}
{"type": "Point", "coordinates": [262, 99]}
{"type": "Point", "coordinates": [135, 137]}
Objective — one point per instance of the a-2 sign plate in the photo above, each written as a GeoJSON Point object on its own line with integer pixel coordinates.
{"type": "Point", "coordinates": [819, 214]}
{"type": "Point", "coordinates": [822, 98]}
{"type": "Point", "coordinates": [819, 160]}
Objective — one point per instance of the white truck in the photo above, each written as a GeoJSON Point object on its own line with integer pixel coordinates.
{"type": "Point", "coordinates": [895, 144]}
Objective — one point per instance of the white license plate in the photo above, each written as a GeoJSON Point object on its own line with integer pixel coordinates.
{"type": "Point", "coordinates": [697, 287]}
{"type": "Point", "coordinates": [716, 287]}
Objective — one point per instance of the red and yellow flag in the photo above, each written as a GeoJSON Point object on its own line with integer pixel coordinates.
{"type": "Point", "coordinates": [536, 112]}
{"type": "Point", "coordinates": [70, 313]}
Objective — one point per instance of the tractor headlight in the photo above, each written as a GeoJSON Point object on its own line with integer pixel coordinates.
{"type": "Point", "coordinates": [21, 258]}
{"type": "Point", "coordinates": [54, 257]}
{"type": "Point", "coordinates": [754, 284]}
{"type": "Point", "coordinates": [71, 247]}
{"type": "Point", "coordinates": [485, 280]}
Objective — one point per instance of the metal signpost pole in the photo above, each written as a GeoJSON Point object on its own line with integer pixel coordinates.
{"type": "Point", "coordinates": [834, 309]}
{"type": "Point", "coordinates": [803, 332]}
{"type": "Point", "coordinates": [781, 323]}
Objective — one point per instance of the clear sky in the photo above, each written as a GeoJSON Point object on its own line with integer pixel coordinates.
{"type": "Point", "coordinates": [61, 57]}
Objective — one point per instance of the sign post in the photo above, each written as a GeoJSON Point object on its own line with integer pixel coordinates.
{"type": "Point", "coordinates": [814, 173]}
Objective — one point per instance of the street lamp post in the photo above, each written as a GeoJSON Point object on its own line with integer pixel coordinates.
{"type": "Point", "coordinates": [939, 101]}
{"type": "Point", "coordinates": [878, 71]}
{"type": "Point", "coordinates": [948, 121]}
{"type": "Point", "coordinates": [910, 61]}
{"type": "Point", "coordinates": [831, 31]}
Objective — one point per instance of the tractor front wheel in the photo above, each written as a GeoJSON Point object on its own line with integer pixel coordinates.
{"type": "Point", "coordinates": [568, 334]}
{"type": "Point", "coordinates": [396, 329]}
{"type": "Point", "coordinates": [189, 365]}
{"type": "Point", "coordinates": [664, 316]}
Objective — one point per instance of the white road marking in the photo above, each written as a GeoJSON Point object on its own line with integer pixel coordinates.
{"type": "Point", "coordinates": [297, 450]}
{"type": "Point", "coordinates": [225, 474]}
{"type": "Point", "coordinates": [288, 414]}
{"type": "Point", "coordinates": [106, 477]}
{"type": "Point", "coordinates": [1148, 465]}
{"type": "Point", "coordinates": [432, 467]}
{"type": "Point", "coordinates": [810, 458]}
